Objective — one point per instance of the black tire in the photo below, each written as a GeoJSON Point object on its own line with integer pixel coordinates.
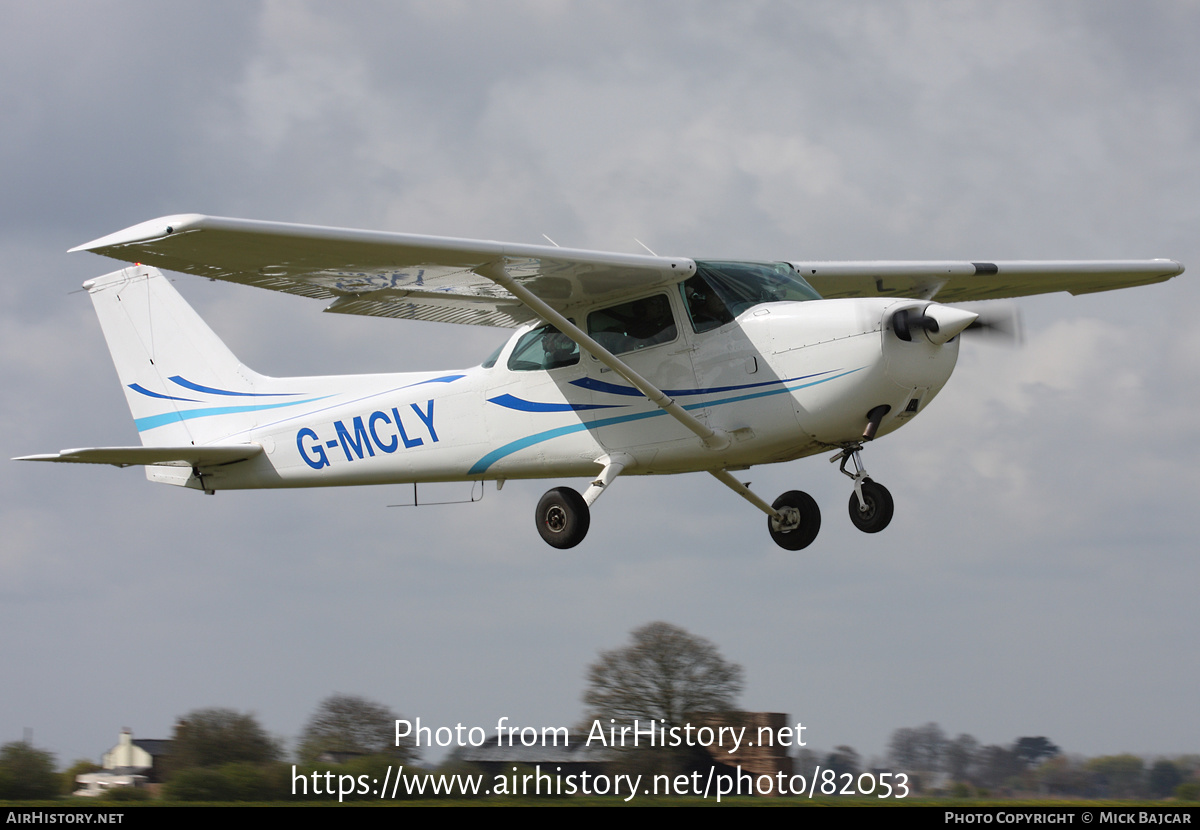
{"type": "Point", "coordinates": [563, 518]}
{"type": "Point", "coordinates": [810, 521]}
{"type": "Point", "coordinates": [879, 510]}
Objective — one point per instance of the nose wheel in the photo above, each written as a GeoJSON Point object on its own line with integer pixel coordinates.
{"type": "Point", "coordinates": [873, 512]}
{"type": "Point", "coordinates": [871, 505]}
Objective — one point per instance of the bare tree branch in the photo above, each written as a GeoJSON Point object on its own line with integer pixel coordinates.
{"type": "Point", "coordinates": [664, 673]}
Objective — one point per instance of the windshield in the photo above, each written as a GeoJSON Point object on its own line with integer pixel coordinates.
{"type": "Point", "coordinates": [745, 284]}
{"type": "Point", "coordinates": [494, 356]}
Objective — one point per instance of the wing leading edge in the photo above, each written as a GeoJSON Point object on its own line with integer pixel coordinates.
{"type": "Point", "coordinates": [442, 279]}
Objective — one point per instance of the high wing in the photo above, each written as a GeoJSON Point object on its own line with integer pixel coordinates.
{"type": "Point", "coordinates": [442, 279]}
{"type": "Point", "coordinates": [954, 282]}
{"type": "Point", "coordinates": [389, 274]}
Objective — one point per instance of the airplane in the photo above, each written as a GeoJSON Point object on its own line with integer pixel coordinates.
{"type": "Point", "coordinates": [621, 364]}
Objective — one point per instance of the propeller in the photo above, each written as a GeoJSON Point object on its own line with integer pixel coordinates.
{"type": "Point", "coordinates": [940, 323]}
{"type": "Point", "coordinates": [998, 322]}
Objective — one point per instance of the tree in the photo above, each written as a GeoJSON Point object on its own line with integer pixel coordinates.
{"type": "Point", "coordinates": [921, 749]}
{"type": "Point", "coordinates": [998, 766]}
{"type": "Point", "coordinates": [1060, 775]}
{"type": "Point", "coordinates": [235, 781]}
{"type": "Point", "coordinates": [1116, 776]}
{"type": "Point", "coordinates": [1164, 778]}
{"type": "Point", "coordinates": [211, 737]}
{"type": "Point", "coordinates": [960, 756]}
{"type": "Point", "coordinates": [26, 772]}
{"type": "Point", "coordinates": [664, 673]}
{"type": "Point", "coordinates": [353, 724]}
{"type": "Point", "coordinates": [843, 759]}
{"type": "Point", "coordinates": [1032, 751]}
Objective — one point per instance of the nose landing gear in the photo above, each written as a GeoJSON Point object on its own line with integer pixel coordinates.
{"type": "Point", "coordinates": [871, 504]}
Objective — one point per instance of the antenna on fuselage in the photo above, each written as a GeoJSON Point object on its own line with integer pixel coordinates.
{"type": "Point", "coordinates": [644, 245]}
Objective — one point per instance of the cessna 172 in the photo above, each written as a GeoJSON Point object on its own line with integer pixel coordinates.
{"type": "Point", "coordinates": [620, 365]}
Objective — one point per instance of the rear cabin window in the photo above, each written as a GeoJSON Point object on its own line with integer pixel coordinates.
{"type": "Point", "coordinates": [631, 326]}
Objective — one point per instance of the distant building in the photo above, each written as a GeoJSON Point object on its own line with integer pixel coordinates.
{"type": "Point", "coordinates": [756, 756]}
{"type": "Point", "coordinates": [761, 755]}
{"type": "Point", "coordinates": [128, 764]}
{"type": "Point", "coordinates": [572, 757]}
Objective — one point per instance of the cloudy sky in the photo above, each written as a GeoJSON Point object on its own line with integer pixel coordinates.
{"type": "Point", "coordinates": [1040, 575]}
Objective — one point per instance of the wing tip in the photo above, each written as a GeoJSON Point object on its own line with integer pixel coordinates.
{"type": "Point", "coordinates": [144, 232]}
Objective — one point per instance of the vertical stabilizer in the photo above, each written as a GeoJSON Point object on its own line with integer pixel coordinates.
{"type": "Point", "coordinates": [183, 384]}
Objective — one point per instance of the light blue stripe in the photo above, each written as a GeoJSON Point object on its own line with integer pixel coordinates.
{"type": "Point", "coordinates": [154, 421]}
{"type": "Point", "coordinates": [482, 465]}
{"type": "Point", "coordinates": [514, 446]}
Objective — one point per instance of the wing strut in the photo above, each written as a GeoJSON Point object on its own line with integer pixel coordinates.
{"type": "Point", "coordinates": [713, 439]}
{"type": "Point", "coordinates": [726, 478]}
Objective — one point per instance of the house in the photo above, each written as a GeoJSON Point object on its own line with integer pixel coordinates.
{"type": "Point", "coordinates": [131, 763]}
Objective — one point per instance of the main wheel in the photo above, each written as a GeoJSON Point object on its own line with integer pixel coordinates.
{"type": "Point", "coordinates": [878, 507]}
{"type": "Point", "coordinates": [802, 520]}
{"type": "Point", "coordinates": [563, 518]}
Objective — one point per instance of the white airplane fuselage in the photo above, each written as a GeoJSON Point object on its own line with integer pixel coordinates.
{"type": "Point", "coordinates": [635, 365]}
{"type": "Point", "coordinates": [783, 380]}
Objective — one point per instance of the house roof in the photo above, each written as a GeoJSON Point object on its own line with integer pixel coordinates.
{"type": "Point", "coordinates": [154, 746]}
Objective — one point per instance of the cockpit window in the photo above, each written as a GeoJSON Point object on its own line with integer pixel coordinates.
{"type": "Point", "coordinates": [741, 285]}
{"type": "Point", "coordinates": [707, 310]}
{"type": "Point", "coordinates": [543, 348]}
{"type": "Point", "coordinates": [636, 325]}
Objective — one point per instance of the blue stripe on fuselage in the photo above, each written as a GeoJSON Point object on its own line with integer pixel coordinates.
{"type": "Point", "coordinates": [482, 465]}
{"type": "Point", "coordinates": [155, 421]}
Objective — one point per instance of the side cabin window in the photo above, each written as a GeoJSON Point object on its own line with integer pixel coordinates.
{"type": "Point", "coordinates": [543, 348]}
{"type": "Point", "coordinates": [631, 326]}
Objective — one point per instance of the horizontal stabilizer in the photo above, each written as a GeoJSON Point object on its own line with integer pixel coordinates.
{"type": "Point", "coordinates": [189, 456]}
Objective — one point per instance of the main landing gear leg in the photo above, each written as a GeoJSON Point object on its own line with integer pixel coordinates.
{"type": "Point", "coordinates": [793, 520]}
{"type": "Point", "coordinates": [871, 505]}
{"type": "Point", "coordinates": [563, 516]}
